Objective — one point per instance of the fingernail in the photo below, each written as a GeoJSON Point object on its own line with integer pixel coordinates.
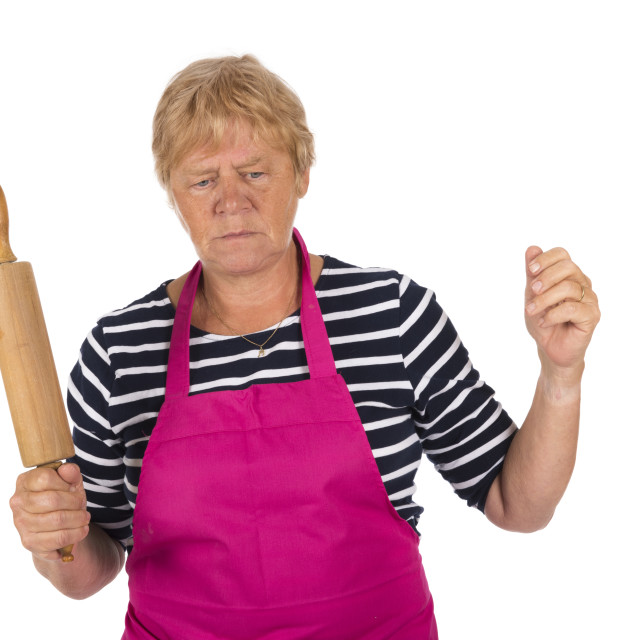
{"type": "Point", "coordinates": [536, 286]}
{"type": "Point", "coordinates": [531, 307]}
{"type": "Point", "coordinates": [534, 267]}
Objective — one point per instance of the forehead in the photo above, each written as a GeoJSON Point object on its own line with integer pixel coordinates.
{"type": "Point", "coordinates": [238, 145]}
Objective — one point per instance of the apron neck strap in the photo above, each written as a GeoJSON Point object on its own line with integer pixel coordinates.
{"type": "Point", "coordinates": [314, 333]}
{"type": "Point", "coordinates": [178, 365]}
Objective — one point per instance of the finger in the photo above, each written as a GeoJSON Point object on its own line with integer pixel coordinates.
{"type": "Point", "coordinates": [547, 258]}
{"type": "Point", "coordinates": [46, 544]}
{"type": "Point", "coordinates": [52, 521]}
{"type": "Point", "coordinates": [530, 256]}
{"type": "Point", "coordinates": [43, 490]}
{"type": "Point", "coordinates": [48, 501]}
{"type": "Point", "coordinates": [566, 290]}
{"type": "Point", "coordinates": [565, 270]}
{"type": "Point", "coordinates": [70, 473]}
{"type": "Point", "coordinates": [581, 315]}
{"type": "Point", "coordinates": [45, 533]}
{"type": "Point", "coordinates": [55, 520]}
{"type": "Point", "coordinates": [41, 480]}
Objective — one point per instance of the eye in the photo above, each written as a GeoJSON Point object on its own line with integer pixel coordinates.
{"type": "Point", "coordinates": [254, 175]}
{"type": "Point", "coordinates": [202, 183]}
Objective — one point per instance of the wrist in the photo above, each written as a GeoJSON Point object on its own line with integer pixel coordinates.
{"type": "Point", "coordinates": [560, 386]}
{"type": "Point", "coordinates": [568, 376]}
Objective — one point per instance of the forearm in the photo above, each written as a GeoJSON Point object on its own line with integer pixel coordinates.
{"type": "Point", "coordinates": [97, 561]}
{"type": "Point", "coordinates": [540, 460]}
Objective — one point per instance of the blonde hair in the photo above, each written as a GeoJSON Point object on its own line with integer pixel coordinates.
{"type": "Point", "coordinates": [208, 95]}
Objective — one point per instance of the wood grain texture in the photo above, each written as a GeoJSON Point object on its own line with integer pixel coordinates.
{"type": "Point", "coordinates": [29, 372]}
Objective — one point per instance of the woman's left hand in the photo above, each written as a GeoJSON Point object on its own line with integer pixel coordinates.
{"type": "Point", "coordinates": [561, 310]}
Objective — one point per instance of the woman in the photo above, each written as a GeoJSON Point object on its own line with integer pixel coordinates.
{"type": "Point", "coordinates": [271, 494]}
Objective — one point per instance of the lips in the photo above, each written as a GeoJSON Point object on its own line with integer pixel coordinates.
{"type": "Point", "coordinates": [237, 234]}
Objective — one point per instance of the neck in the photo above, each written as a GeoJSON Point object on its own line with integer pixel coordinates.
{"type": "Point", "coordinates": [243, 304]}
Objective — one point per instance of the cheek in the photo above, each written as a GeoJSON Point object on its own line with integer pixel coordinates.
{"type": "Point", "coordinates": [189, 211]}
{"type": "Point", "coordinates": [282, 214]}
{"type": "Point", "coordinates": [191, 224]}
{"type": "Point", "coordinates": [183, 224]}
{"type": "Point", "coordinates": [287, 203]}
{"type": "Point", "coordinates": [180, 217]}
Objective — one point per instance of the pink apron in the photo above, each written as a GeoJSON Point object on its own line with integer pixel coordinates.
{"type": "Point", "coordinates": [261, 513]}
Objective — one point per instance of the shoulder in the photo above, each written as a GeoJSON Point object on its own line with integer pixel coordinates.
{"type": "Point", "coordinates": [337, 274]}
{"type": "Point", "coordinates": [374, 283]}
{"type": "Point", "coordinates": [153, 305]}
{"type": "Point", "coordinates": [147, 318]}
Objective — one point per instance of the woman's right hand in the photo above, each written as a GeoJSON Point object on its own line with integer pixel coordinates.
{"type": "Point", "coordinates": [50, 510]}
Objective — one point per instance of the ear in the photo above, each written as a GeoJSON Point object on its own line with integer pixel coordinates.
{"type": "Point", "coordinates": [303, 183]}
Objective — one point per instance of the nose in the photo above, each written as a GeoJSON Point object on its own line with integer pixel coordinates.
{"type": "Point", "coordinates": [232, 196]}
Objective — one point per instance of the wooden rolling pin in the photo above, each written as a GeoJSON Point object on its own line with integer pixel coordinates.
{"type": "Point", "coordinates": [28, 370]}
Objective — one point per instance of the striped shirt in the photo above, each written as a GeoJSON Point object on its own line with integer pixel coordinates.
{"type": "Point", "coordinates": [408, 373]}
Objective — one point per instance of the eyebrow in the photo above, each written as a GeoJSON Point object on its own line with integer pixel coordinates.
{"type": "Point", "coordinates": [250, 162]}
{"type": "Point", "coordinates": [208, 169]}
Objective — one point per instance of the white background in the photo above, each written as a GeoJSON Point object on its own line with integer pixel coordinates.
{"type": "Point", "coordinates": [450, 136]}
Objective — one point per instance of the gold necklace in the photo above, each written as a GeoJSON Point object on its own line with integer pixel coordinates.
{"type": "Point", "coordinates": [239, 335]}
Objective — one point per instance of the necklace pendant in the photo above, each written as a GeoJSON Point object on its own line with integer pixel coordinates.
{"type": "Point", "coordinates": [261, 352]}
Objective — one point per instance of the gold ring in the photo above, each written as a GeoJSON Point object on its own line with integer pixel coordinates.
{"type": "Point", "coordinates": [582, 296]}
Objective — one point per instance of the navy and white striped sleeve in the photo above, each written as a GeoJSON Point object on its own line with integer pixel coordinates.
{"type": "Point", "coordinates": [99, 451]}
{"type": "Point", "coordinates": [463, 429]}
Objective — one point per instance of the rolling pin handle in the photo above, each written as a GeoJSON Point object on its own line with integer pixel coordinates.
{"type": "Point", "coordinates": [6, 255]}
{"type": "Point", "coordinates": [65, 552]}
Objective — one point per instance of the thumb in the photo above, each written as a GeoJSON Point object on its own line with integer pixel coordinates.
{"type": "Point", "coordinates": [70, 473]}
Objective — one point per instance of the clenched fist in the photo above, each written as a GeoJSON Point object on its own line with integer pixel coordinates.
{"type": "Point", "coordinates": [50, 510]}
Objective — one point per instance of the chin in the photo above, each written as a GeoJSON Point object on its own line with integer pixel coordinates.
{"type": "Point", "coordinates": [238, 265]}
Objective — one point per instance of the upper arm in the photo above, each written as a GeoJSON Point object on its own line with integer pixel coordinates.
{"type": "Point", "coordinates": [463, 429]}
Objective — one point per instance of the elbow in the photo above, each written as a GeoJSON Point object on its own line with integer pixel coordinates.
{"type": "Point", "coordinates": [539, 524]}
{"type": "Point", "coordinates": [517, 513]}
{"type": "Point", "coordinates": [522, 523]}
{"type": "Point", "coordinates": [78, 595]}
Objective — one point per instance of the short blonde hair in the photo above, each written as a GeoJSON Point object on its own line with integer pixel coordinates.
{"type": "Point", "coordinates": [208, 95]}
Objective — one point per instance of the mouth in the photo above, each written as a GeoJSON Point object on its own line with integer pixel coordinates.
{"type": "Point", "coordinates": [237, 234]}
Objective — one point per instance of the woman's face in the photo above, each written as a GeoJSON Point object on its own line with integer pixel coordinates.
{"type": "Point", "coordinates": [237, 202]}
